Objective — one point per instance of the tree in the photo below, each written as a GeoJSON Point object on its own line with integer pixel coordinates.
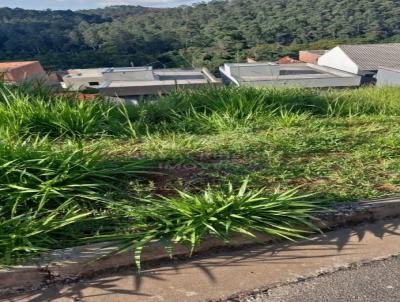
{"type": "Point", "coordinates": [206, 34]}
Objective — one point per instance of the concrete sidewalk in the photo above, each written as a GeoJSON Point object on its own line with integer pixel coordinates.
{"type": "Point", "coordinates": [222, 275]}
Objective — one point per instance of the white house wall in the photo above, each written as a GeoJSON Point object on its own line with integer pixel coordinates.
{"type": "Point", "coordinates": [310, 83]}
{"type": "Point", "coordinates": [226, 76]}
{"type": "Point", "coordinates": [254, 70]}
{"type": "Point", "coordinates": [76, 83]}
{"type": "Point", "coordinates": [388, 77]}
{"type": "Point", "coordinates": [337, 59]}
{"type": "Point", "coordinates": [139, 75]}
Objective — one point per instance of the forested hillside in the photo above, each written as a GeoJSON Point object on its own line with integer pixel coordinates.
{"type": "Point", "coordinates": [204, 34]}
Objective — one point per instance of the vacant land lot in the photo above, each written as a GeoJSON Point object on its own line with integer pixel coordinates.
{"type": "Point", "coordinates": [190, 164]}
{"type": "Point", "coordinates": [333, 159]}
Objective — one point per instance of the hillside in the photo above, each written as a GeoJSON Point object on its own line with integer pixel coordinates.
{"type": "Point", "coordinates": [204, 34]}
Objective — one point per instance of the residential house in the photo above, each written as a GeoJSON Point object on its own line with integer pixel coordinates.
{"type": "Point", "coordinates": [293, 75]}
{"type": "Point", "coordinates": [388, 77]}
{"type": "Point", "coordinates": [17, 72]}
{"type": "Point", "coordinates": [81, 79]}
{"type": "Point", "coordinates": [287, 60]}
{"type": "Point", "coordinates": [364, 60]}
{"type": "Point", "coordinates": [311, 56]}
{"type": "Point", "coordinates": [137, 81]}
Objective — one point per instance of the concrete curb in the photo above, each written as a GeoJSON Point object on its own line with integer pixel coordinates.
{"type": "Point", "coordinates": [84, 261]}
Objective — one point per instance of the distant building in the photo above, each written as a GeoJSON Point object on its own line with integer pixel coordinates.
{"type": "Point", "coordinates": [388, 77]}
{"type": "Point", "coordinates": [311, 56]}
{"type": "Point", "coordinates": [80, 79]}
{"type": "Point", "coordinates": [251, 60]}
{"type": "Point", "coordinates": [16, 72]}
{"type": "Point", "coordinates": [287, 60]}
{"type": "Point", "coordinates": [363, 60]}
{"type": "Point", "coordinates": [137, 81]}
{"type": "Point", "coordinates": [296, 75]}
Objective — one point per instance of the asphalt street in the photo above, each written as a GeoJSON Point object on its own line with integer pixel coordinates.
{"type": "Point", "coordinates": [378, 281]}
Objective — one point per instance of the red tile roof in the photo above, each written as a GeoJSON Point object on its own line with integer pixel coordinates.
{"type": "Point", "coordinates": [287, 60]}
{"type": "Point", "coordinates": [18, 71]}
{"type": "Point", "coordinates": [12, 65]}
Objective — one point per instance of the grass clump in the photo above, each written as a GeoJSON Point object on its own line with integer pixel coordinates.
{"type": "Point", "coordinates": [38, 174]}
{"type": "Point", "coordinates": [33, 232]}
{"type": "Point", "coordinates": [221, 213]}
{"type": "Point", "coordinates": [46, 189]}
{"type": "Point", "coordinates": [23, 114]}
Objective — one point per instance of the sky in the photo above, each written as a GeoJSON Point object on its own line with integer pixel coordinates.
{"type": "Point", "coordinates": [83, 4]}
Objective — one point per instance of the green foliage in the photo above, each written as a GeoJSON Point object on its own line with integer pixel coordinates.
{"type": "Point", "coordinates": [34, 232]}
{"type": "Point", "coordinates": [66, 166]}
{"type": "Point", "coordinates": [35, 174]}
{"type": "Point", "coordinates": [365, 101]}
{"type": "Point", "coordinates": [216, 110]}
{"type": "Point", "coordinates": [211, 110]}
{"type": "Point", "coordinates": [24, 113]}
{"type": "Point", "coordinates": [46, 190]}
{"type": "Point", "coordinates": [221, 213]}
{"type": "Point", "coordinates": [206, 34]}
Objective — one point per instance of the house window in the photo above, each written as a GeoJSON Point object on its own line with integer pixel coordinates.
{"type": "Point", "coordinates": [94, 83]}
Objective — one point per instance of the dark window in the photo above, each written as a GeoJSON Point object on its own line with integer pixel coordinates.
{"type": "Point", "coordinates": [93, 83]}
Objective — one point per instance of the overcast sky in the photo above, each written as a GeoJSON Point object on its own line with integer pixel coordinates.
{"type": "Point", "coordinates": [81, 4]}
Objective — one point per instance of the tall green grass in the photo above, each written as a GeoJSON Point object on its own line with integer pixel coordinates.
{"type": "Point", "coordinates": [54, 179]}
{"type": "Point", "coordinates": [226, 109]}
{"type": "Point", "coordinates": [35, 231]}
{"type": "Point", "coordinates": [363, 101]}
{"type": "Point", "coordinates": [45, 190]}
{"type": "Point", "coordinates": [23, 114]}
{"type": "Point", "coordinates": [36, 174]}
{"type": "Point", "coordinates": [221, 213]}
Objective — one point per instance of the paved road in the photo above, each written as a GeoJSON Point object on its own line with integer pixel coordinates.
{"type": "Point", "coordinates": [375, 282]}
